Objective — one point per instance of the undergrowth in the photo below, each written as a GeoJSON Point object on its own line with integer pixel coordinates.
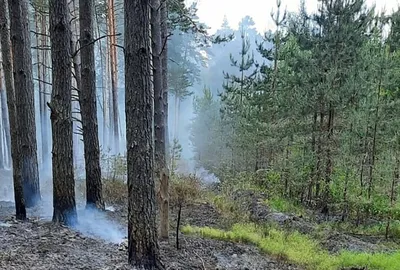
{"type": "Point", "coordinates": [285, 206]}
{"type": "Point", "coordinates": [297, 248]}
{"type": "Point", "coordinates": [376, 229]}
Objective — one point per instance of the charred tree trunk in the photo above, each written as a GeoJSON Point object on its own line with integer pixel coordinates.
{"type": "Point", "coordinates": [24, 93]}
{"type": "Point", "coordinates": [143, 248]}
{"type": "Point", "coordinates": [88, 104]}
{"type": "Point", "coordinates": [159, 122]}
{"type": "Point", "coordinates": [178, 225]}
{"type": "Point", "coordinates": [61, 115]}
{"type": "Point", "coordinates": [12, 111]}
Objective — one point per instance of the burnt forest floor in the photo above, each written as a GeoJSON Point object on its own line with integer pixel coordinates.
{"type": "Point", "coordinates": [99, 241]}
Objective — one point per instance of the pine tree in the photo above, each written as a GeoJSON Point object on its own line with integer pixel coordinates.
{"type": "Point", "coordinates": [143, 249]}
{"type": "Point", "coordinates": [61, 115]}
{"type": "Point", "coordinates": [88, 104]}
{"type": "Point", "coordinates": [23, 83]}
{"type": "Point", "coordinates": [12, 112]}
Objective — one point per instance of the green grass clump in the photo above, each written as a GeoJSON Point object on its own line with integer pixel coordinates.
{"type": "Point", "coordinates": [297, 248]}
{"type": "Point", "coordinates": [285, 206]}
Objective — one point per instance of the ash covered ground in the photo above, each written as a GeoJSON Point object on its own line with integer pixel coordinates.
{"type": "Point", "coordinates": [99, 241]}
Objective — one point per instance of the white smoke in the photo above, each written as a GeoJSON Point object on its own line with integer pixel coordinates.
{"type": "Point", "coordinates": [91, 222]}
{"type": "Point", "coordinates": [206, 177]}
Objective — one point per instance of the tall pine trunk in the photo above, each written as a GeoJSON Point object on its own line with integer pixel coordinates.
{"type": "Point", "coordinates": [24, 93]}
{"type": "Point", "coordinates": [6, 126]}
{"type": "Point", "coordinates": [114, 76]}
{"type": "Point", "coordinates": [164, 67]}
{"type": "Point", "coordinates": [76, 83]}
{"type": "Point", "coordinates": [164, 181]}
{"type": "Point", "coordinates": [61, 115]}
{"type": "Point", "coordinates": [2, 153]}
{"type": "Point", "coordinates": [88, 104]}
{"type": "Point", "coordinates": [45, 97]}
{"type": "Point", "coordinates": [12, 111]}
{"type": "Point", "coordinates": [143, 249]}
{"type": "Point", "coordinates": [159, 122]}
{"type": "Point", "coordinates": [4, 120]}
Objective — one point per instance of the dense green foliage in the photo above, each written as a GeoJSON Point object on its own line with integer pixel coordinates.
{"type": "Point", "coordinates": [320, 116]}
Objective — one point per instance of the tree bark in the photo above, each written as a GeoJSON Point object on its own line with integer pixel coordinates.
{"type": "Point", "coordinates": [45, 113]}
{"type": "Point", "coordinates": [159, 119]}
{"type": "Point", "coordinates": [114, 77]}
{"type": "Point", "coordinates": [39, 63]}
{"type": "Point", "coordinates": [2, 154]}
{"type": "Point", "coordinates": [143, 248]}
{"type": "Point", "coordinates": [11, 105]}
{"type": "Point", "coordinates": [164, 66]}
{"type": "Point", "coordinates": [61, 115]}
{"type": "Point", "coordinates": [88, 104]}
{"type": "Point", "coordinates": [77, 80]}
{"type": "Point", "coordinates": [42, 63]}
{"type": "Point", "coordinates": [24, 93]}
{"type": "Point", "coordinates": [5, 123]}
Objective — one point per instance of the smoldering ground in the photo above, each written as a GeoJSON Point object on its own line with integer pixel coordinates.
{"type": "Point", "coordinates": [91, 222]}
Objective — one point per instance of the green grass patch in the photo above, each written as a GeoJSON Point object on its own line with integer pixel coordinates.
{"type": "Point", "coordinates": [297, 248]}
{"type": "Point", "coordinates": [378, 229]}
{"type": "Point", "coordinates": [285, 206]}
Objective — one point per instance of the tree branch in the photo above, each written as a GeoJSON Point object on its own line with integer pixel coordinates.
{"type": "Point", "coordinates": [165, 43]}
{"type": "Point", "coordinates": [92, 42]}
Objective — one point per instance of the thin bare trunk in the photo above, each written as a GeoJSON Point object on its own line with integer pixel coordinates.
{"type": "Point", "coordinates": [114, 72]}
{"type": "Point", "coordinates": [45, 96]}
{"type": "Point", "coordinates": [374, 135]}
{"type": "Point", "coordinates": [103, 86]}
{"type": "Point", "coordinates": [76, 83]}
{"type": "Point", "coordinates": [329, 160]}
{"type": "Point", "coordinates": [164, 184]}
{"type": "Point", "coordinates": [6, 127]}
{"type": "Point", "coordinates": [395, 181]}
{"type": "Point", "coordinates": [88, 104]}
{"type": "Point", "coordinates": [159, 122]}
{"type": "Point", "coordinates": [312, 179]}
{"type": "Point", "coordinates": [39, 63]}
{"type": "Point", "coordinates": [2, 154]}
{"type": "Point", "coordinates": [164, 65]}
{"type": "Point", "coordinates": [12, 111]}
{"type": "Point", "coordinates": [319, 155]}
